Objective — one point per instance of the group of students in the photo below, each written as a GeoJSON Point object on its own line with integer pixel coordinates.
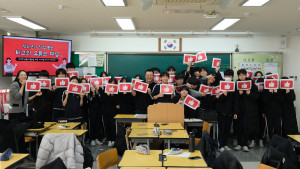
{"type": "Point", "coordinates": [247, 110]}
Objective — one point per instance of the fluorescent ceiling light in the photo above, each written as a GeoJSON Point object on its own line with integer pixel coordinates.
{"type": "Point", "coordinates": [225, 23]}
{"type": "Point", "coordinates": [113, 2]}
{"type": "Point", "coordinates": [125, 23]}
{"type": "Point", "coordinates": [255, 2]}
{"type": "Point", "coordinates": [25, 22]}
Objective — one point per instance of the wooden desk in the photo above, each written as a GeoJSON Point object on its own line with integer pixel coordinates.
{"type": "Point", "coordinates": [150, 125]}
{"type": "Point", "coordinates": [295, 137]}
{"type": "Point", "coordinates": [127, 118]}
{"type": "Point", "coordinates": [142, 136]}
{"type": "Point", "coordinates": [59, 131]}
{"type": "Point", "coordinates": [173, 161]}
{"type": "Point", "coordinates": [188, 168]}
{"type": "Point", "coordinates": [15, 160]}
{"type": "Point", "coordinates": [133, 159]}
{"type": "Point", "coordinates": [70, 126]}
{"type": "Point", "coordinates": [46, 126]}
{"type": "Point", "coordinates": [178, 136]}
{"type": "Point", "coordinates": [144, 168]}
{"type": "Point", "coordinates": [196, 122]}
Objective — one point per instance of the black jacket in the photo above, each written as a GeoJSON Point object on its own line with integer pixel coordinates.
{"type": "Point", "coordinates": [289, 120]}
{"type": "Point", "coordinates": [108, 103]}
{"type": "Point", "coordinates": [143, 100]}
{"type": "Point", "coordinates": [207, 147]}
{"type": "Point", "coordinates": [165, 99]}
{"type": "Point", "coordinates": [126, 102]}
{"type": "Point", "coordinates": [227, 161]}
{"type": "Point", "coordinates": [43, 103]}
{"type": "Point", "coordinates": [272, 103]}
{"type": "Point", "coordinates": [188, 112]}
{"type": "Point", "coordinates": [224, 105]}
{"type": "Point", "coordinates": [57, 96]}
{"type": "Point", "coordinates": [56, 164]}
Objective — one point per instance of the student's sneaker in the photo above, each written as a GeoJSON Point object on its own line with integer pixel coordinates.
{"type": "Point", "coordinates": [227, 148]}
{"type": "Point", "coordinates": [113, 143]}
{"type": "Point", "coordinates": [238, 147]}
{"type": "Point", "coordinates": [221, 149]}
{"type": "Point", "coordinates": [245, 149]}
{"type": "Point", "coordinates": [261, 143]}
{"type": "Point", "coordinates": [98, 142]}
{"type": "Point", "coordinates": [110, 144]}
{"type": "Point", "coordinates": [93, 143]}
{"type": "Point", "coordinates": [252, 144]}
{"type": "Point", "coordinates": [235, 142]}
{"type": "Point", "coordinates": [104, 140]}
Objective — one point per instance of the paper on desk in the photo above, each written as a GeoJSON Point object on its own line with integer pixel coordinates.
{"type": "Point", "coordinates": [140, 115]}
{"type": "Point", "coordinates": [184, 154]}
{"type": "Point", "coordinates": [197, 120]}
{"type": "Point", "coordinates": [188, 120]}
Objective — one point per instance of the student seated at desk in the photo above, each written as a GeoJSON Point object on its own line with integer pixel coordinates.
{"type": "Point", "coordinates": [73, 103]}
{"type": "Point", "coordinates": [158, 96]}
{"type": "Point", "coordinates": [42, 102]}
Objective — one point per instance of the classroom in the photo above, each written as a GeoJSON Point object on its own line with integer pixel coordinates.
{"type": "Point", "coordinates": [156, 84]}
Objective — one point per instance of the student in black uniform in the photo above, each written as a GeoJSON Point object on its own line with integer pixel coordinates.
{"type": "Point", "coordinates": [171, 70]}
{"type": "Point", "coordinates": [126, 100]}
{"type": "Point", "coordinates": [109, 108]}
{"type": "Point", "coordinates": [70, 67]}
{"type": "Point", "coordinates": [289, 120]}
{"type": "Point", "coordinates": [143, 100]}
{"type": "Point", "coordinates": [245, 110]}
{"type": "Point", "coordinates": [158, 96]}
{"type": "Point", "coordinates": [58, 108]}
{"type": "Point", "coordinates": [224, 109]}
{"type": "Point", "coordinates": [73, 103]}
{"type": "Point", "coordinates": [272, 100]}
{"type": "Point", "coordinates": [179, 77]}
{"type": "Point", "coordinates": [96, 128]}
{"type": "Point", "coordinates": [85, 106]}
{"type": "Point", "coordinates": [42, 101]}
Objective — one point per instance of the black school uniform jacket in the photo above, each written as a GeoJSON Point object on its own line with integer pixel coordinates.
{"type": "Point", "coordinates": [126, 102]}
{"type": "Point", "coordinates": [73, 109]}
{"type": "Point", "coordinates": [143, 100]}
{"type": "Point", "coordinates": [108, 103]}
{"type": "Point", "coordinates": [165, 99]}
{"type": "Point", "coordinates": [94, 102]}
{"type": "Point", "coordinates": [289, 119]}
{"type": "Point", "coordinates": [188, 112]}
{"type": "Point", "coordinates": [43, 103]}
{"type": "Point", "coordinates": [272, 103]}
{"type": "Point", "coordinates": [224, 105]}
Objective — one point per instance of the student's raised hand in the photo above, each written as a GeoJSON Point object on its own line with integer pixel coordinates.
{"type": "Point", "coordinates": [149, 91]}
{"type": "Point", "coordinates": [217, 69]}
{"type": "Point", "coordinates": [198, 105]}
{"type": "Point", "coordinates": [241, 92]}
{"type": "Point", "coordinates": [189, 63]}
{"type": "Point", "coordinates": [23, 82]}
{"type": "Point", "coordinates": [161, 94]}
{"type": "Point", "coordinates": [287, 90]}
{"type": "Point", "coordinates": [86, 94]}
{"type": "Point", "coordinates": [263, 115]}
{"type": "Point", "coordinates": [173, 89]}
{"type": "Point", "coordinates": [38, 94]}
{"type": "Point", "coordinates": [118, 106]}
{"type": "Point", "coordinates": [92, 89]}
{"type": "Point", "coordinates": [235, 116]}
{"type": "Point", "coordinates": [67, 93]}
{"type": "Point", "coordinates": [108, 93]}
{"type": "Point", "coordinates": [225, 92]}
{"type": "Point", "coordinates": [54, 87]}
{"type": "Point", "coordinates": [248, 92]}
{"type": "Point", "coordinates": [203, 94]}
{"type": "Point", "coordinates": [51, 88]}
{"type": "Point", "coordinates": [180, 102]}
{"type": "Point", "coordinates": [82, 94]}
{"type": "Point", "coordinates": [218, 96]}
{"type": "Point", "coordinates": [271, 90]}
{"type": "Point", "coordinates": [275, 90]}
{"type": "Point", "coordinates": [132, 86]}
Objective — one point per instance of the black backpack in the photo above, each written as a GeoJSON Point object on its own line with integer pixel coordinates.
{"type": "Point", "coordinates": [120, 143]}
{"type": "Point", "coordinates": [88, 157]}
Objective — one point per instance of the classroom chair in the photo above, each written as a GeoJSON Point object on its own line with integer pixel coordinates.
{"type": "Point", "coordinates": [107, 159]}
{"type": "Point", "coordinates": [29, 140]}
{"type": "Point", "coordinates": [128, 142]}
{"type": "Point", "coordinates": [263, 166]}
{"type": "Point", "coordinates": [206, 127]}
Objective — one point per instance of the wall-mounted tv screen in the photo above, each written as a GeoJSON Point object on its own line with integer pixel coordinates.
{"type": "Point", "coordinates": [34, 55]}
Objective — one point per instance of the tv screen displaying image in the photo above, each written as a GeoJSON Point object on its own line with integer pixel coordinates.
{"type": "Point", "coordinates": [34, 55]}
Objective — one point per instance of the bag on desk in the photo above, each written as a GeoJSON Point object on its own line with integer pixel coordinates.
{"type": "Point", "coordinates": [208, 115]}
{"type": "Point", "coordinates": [142, 149]}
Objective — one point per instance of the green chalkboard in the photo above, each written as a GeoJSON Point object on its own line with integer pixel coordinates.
{"type": "Point", "coordinates": [131, 64]}
{"type": "Point", "coordinates": [75, 60]}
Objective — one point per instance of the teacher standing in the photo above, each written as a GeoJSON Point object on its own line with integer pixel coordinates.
{"type": "Point", "coordinates": [18, 97]}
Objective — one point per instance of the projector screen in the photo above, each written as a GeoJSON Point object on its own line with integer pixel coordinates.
{"type": "Point", "coordinates": [34, 55]}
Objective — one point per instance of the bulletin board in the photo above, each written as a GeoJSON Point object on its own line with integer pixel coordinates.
{"type": "Point", "coordinates": [264, 62]}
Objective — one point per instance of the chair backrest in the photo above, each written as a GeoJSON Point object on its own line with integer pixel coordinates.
{"type": "Point", "coordinates": [166, 113]}
{"type": "Point", "coordinates": [83, 126]}
{"type": "Point", "coordinates": [127, 138]}
{"type": "Point", "coordinates": [108, 159]}
{"type": "Point", "coordinates": [263, 166]}
{"type": "Point", "coordinates": [206, 127]}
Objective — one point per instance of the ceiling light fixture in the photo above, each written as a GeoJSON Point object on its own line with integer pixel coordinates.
{"type": "Point", "coordinates": [225, 23]}
{"type": "Point", "coordinates": [25, 22]}
{"type": "Point", "coordinates": [255, 2]}
{"type": "Point", "coordinates": [113, 2]}
{"type": "Point", "coordinates": [125, 23]}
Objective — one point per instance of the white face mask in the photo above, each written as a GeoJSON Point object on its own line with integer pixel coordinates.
{"type": "Point", "coordinates": [227, 79]}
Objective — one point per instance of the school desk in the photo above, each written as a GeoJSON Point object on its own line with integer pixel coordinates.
{"type": "Point", "coordinates": [177, 137]}
{"type": "Point", "coordinates": [134, 159]}
{"type": "Point", "coordinates": [60, 131]}
{"type": "Point", "coordinates": [150, 125]}
{"type": "Point", "coordinates": [127, 118]}
{"type": "Point", "coordinates": [142, 136]}
{"type": "Point", "coordinates": [69, 126]}
{"type": "Point", "coordinates": [36, 132]}
{"type": "Point", "coordinates": [144, 168]}
{"type": "Point", "coordinates": [196, 122]}
{"type": "Point", "coordinates": [13, 161]}
{"type": "Point", "coordinates": [173, 161]}
{"type": "Point", "coordinates": [295, 137]}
